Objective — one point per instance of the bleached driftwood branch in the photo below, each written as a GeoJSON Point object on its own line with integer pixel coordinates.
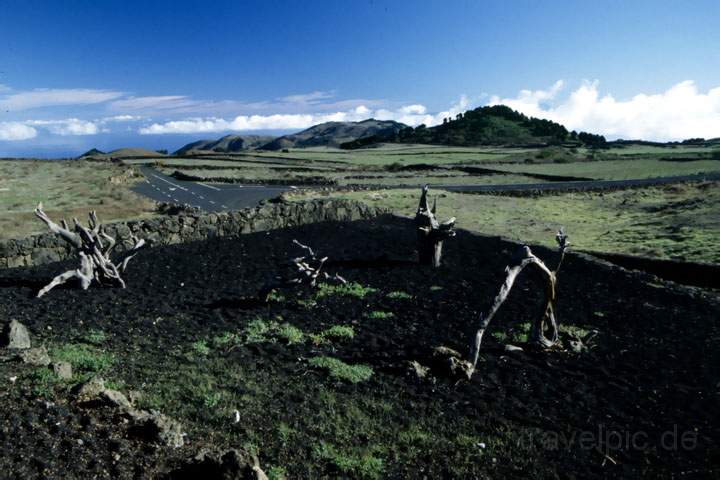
{"type": "Point", "coordinates": [430, 232]}
{"type": "Point", "coordinates": [309, 272]}
{"type": "Point", "coordinates": [95, 261]}
{"type": "Point", "coordinates": [538, 336]}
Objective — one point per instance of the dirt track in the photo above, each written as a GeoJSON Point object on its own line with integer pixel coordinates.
{"type": "Point", "coordinates": [537, 414]}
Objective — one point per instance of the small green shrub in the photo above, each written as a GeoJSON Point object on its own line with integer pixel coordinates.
{"type": "Point", "coordinates": [574, 331]}
{"type": "Point", "coordinates": [290, 333]}
{"type": "Point", "coordinates": [500, 336]}
{"type": "Point", "coordinates": [95, 337]}
{"type": "Point", "coordinates": [354, 466]}
{"type": "Point", "coordinates": [226, 339]}
{"type": "Point", "coordinates": [379, 315]}
{"type": "Point", "coordinates": [352, 289]}
{"type": "Point", "coordinates": [339, 332]}
{"type": "Point", "coordinates": [83, 358]}
{"type": "Point", "coordinates": [201, 347]}
{"type": "Point", "coordinates": [342, 371]}
{"type": "Point", "coordinates": [398, 295]}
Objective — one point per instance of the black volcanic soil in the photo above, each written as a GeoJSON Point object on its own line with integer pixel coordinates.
{"type": "Point", "coordinates": [643, 402]}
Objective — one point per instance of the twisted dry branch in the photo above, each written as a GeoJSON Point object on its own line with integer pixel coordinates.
{"type": "Point", "coordinates": [545, 329]}
{"type": "Point", "coordinates": [95, 261]}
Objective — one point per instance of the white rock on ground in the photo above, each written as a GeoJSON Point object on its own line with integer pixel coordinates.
{"type": "Point", "coordinates": [15, 336]}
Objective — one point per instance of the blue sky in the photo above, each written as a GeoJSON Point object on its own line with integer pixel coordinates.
{"type": "Point", "coordinates": [97, 73]}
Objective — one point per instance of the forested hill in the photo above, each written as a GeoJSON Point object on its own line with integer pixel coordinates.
{"type": "Point", "coordinates": [495, 125]}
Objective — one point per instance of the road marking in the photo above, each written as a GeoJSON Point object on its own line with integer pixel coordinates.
{"type": "Point", "coordinates": [208, 186]}
{"type": "Point", "coordinates": [224, 206]}
{"type": "Point", "coordinates": [212, 202]}
{"type": "Point", "coordinates": [201, 197]}
{"type": "Point", "coordinates": [171, 183]}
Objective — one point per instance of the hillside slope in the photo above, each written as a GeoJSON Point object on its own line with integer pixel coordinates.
{"type": "Point", "coordinates": [496, 125]}
{"type": "Point", "coordinates": [226, 144]}
{"type": "Point", "coordinates": [333, 134]}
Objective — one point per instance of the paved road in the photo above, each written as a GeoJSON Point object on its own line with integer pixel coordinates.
{"type": "Point", "coordinates": [216, 197]}
{"type": "Point", "coordinates": [209, 197]}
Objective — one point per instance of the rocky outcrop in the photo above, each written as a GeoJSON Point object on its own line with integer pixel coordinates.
{"type": "Point", "coordinates": [15, 336]}
{"type": "Point", "coordinates": [191, 226]}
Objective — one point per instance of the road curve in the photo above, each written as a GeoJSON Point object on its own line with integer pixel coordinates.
{"type": "Point", "coordinates": [218, 196]}
{"type": "Point", "coordinates": [208, 197]}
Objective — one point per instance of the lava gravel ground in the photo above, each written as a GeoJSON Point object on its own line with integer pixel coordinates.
{"type": "Point", "coordinates": [643, 401]}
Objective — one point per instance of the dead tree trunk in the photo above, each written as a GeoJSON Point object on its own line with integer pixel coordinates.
{"type": "Point", "coordinates": [546, 325]}
{"type": "Point", "coordinates": [431, 233]}
{"type": "Point", "coordinates": [95, 262]}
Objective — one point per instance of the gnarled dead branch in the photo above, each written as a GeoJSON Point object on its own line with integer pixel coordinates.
{"type": "Point", "coordinates": [95, 261]}
{"type": "Point", "coordinates": [430, 232]}
{"type": "Point", "coordinates": [309, 272]}
{"type": "Point", "coordinates": [545, 329]}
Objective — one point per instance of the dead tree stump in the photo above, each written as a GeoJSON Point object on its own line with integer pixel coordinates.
{"type": "Point", "coordinates": [431, 233]}
{"type": "Point", "coordinates": [94, 248]}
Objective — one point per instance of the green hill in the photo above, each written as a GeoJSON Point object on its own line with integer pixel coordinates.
{"type": "Point", "coordinates": [333, 134]}
{"type": "Point", "coordinates": [496, 125]}
{"type": "Point", "coordinates": [226, 144]}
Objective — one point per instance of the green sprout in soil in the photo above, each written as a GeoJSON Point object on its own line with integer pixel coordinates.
{"type": "Point", "coordinates": [501, 337]}
{"type": "Point", "coordinates": [399, 295]}
{"type": "Point", "coordinates": [574, 331]}
{"type": "Point", "coordinates": [354, 466]}
{"type": "Point", "coordinates": [95, 337]}
{"type": "Point", "coordinates": [379, 315]}
{"type": "Point", "coordinates": [85, 359]}
{"type": "Point", "coordinates": [342, 371]}
{"type": "Point", "coordinates": [352, 289]}
{"type": "Point", "coordinates": [201, 348]}
{"type": "Point", "coordinates": [336, 332]}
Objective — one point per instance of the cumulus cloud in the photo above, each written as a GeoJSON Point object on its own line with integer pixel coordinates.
{"type": "Point", "coordinates": [48, 97]}
{"type": "Point", "coordinates": [15, 131]}
{"type": "Point", "coordinates": [69, 126]}
{"type": "Point", "coordinates": [680, 112]}
{"type": "Point", "coordinates": [412, 115]}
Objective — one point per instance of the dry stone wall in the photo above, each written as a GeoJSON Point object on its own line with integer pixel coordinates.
{"type": "Point", "coordinates": [46, 248]}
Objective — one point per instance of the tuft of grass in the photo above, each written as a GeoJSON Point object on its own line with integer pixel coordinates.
{"type": "Point", "coordinates": [399, 295]}
{"type": "Point", "coordinates": [500, 336]}
{"type": "Point", "coordinates": [339, 332]}
{"type": "Point", "coordinates": [574, 331]}
{"type": "Point", "coordinates": [277, 473]}
{"type": "Point", "coordinates": [289, 333]}
{"type": "Point", "coordinates": [521, 332]}
{"type": "Point", "coordinates": [95, 337]}
{"type": "Point", "coordinates": [259, 331]}
{"type": "Point", "coordinates": [201, 347]}
{"type": "Point", "coordinates": [342, 371]}
{"type": "Point", "coordinates": [379, 315]}
{"type": "Point", "coordinates": [226, 339]}
{"type": "Point", "coordinates": [86, 360]}
{"type": "Point", "coordinates": [352, 465]}
{"type": "Point", "coordinates": [352, 289]}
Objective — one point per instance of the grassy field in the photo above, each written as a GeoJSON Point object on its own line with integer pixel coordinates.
{"type": "Point", "coordinates": [678, 221]}
{"type": "Point", "coordinates": [67, 189]}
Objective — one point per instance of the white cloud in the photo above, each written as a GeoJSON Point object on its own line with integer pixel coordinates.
{"type": "Point", "coordinates": [413, 115]}
{"type": "Point", "coordinates": [680, 112]}
{"type": "Point", "coordinates": [14, 131]}
{"type": "Point", "coordinates": [308, 98]}
{"type": "Point", "coordinates": [69, 126]}
{"type": "Point", "coordinates": [47, 97]}
{"type": "Point", "coordinates": [162, 102]}
{"type": "Point", "coordinates": [121, 118]}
